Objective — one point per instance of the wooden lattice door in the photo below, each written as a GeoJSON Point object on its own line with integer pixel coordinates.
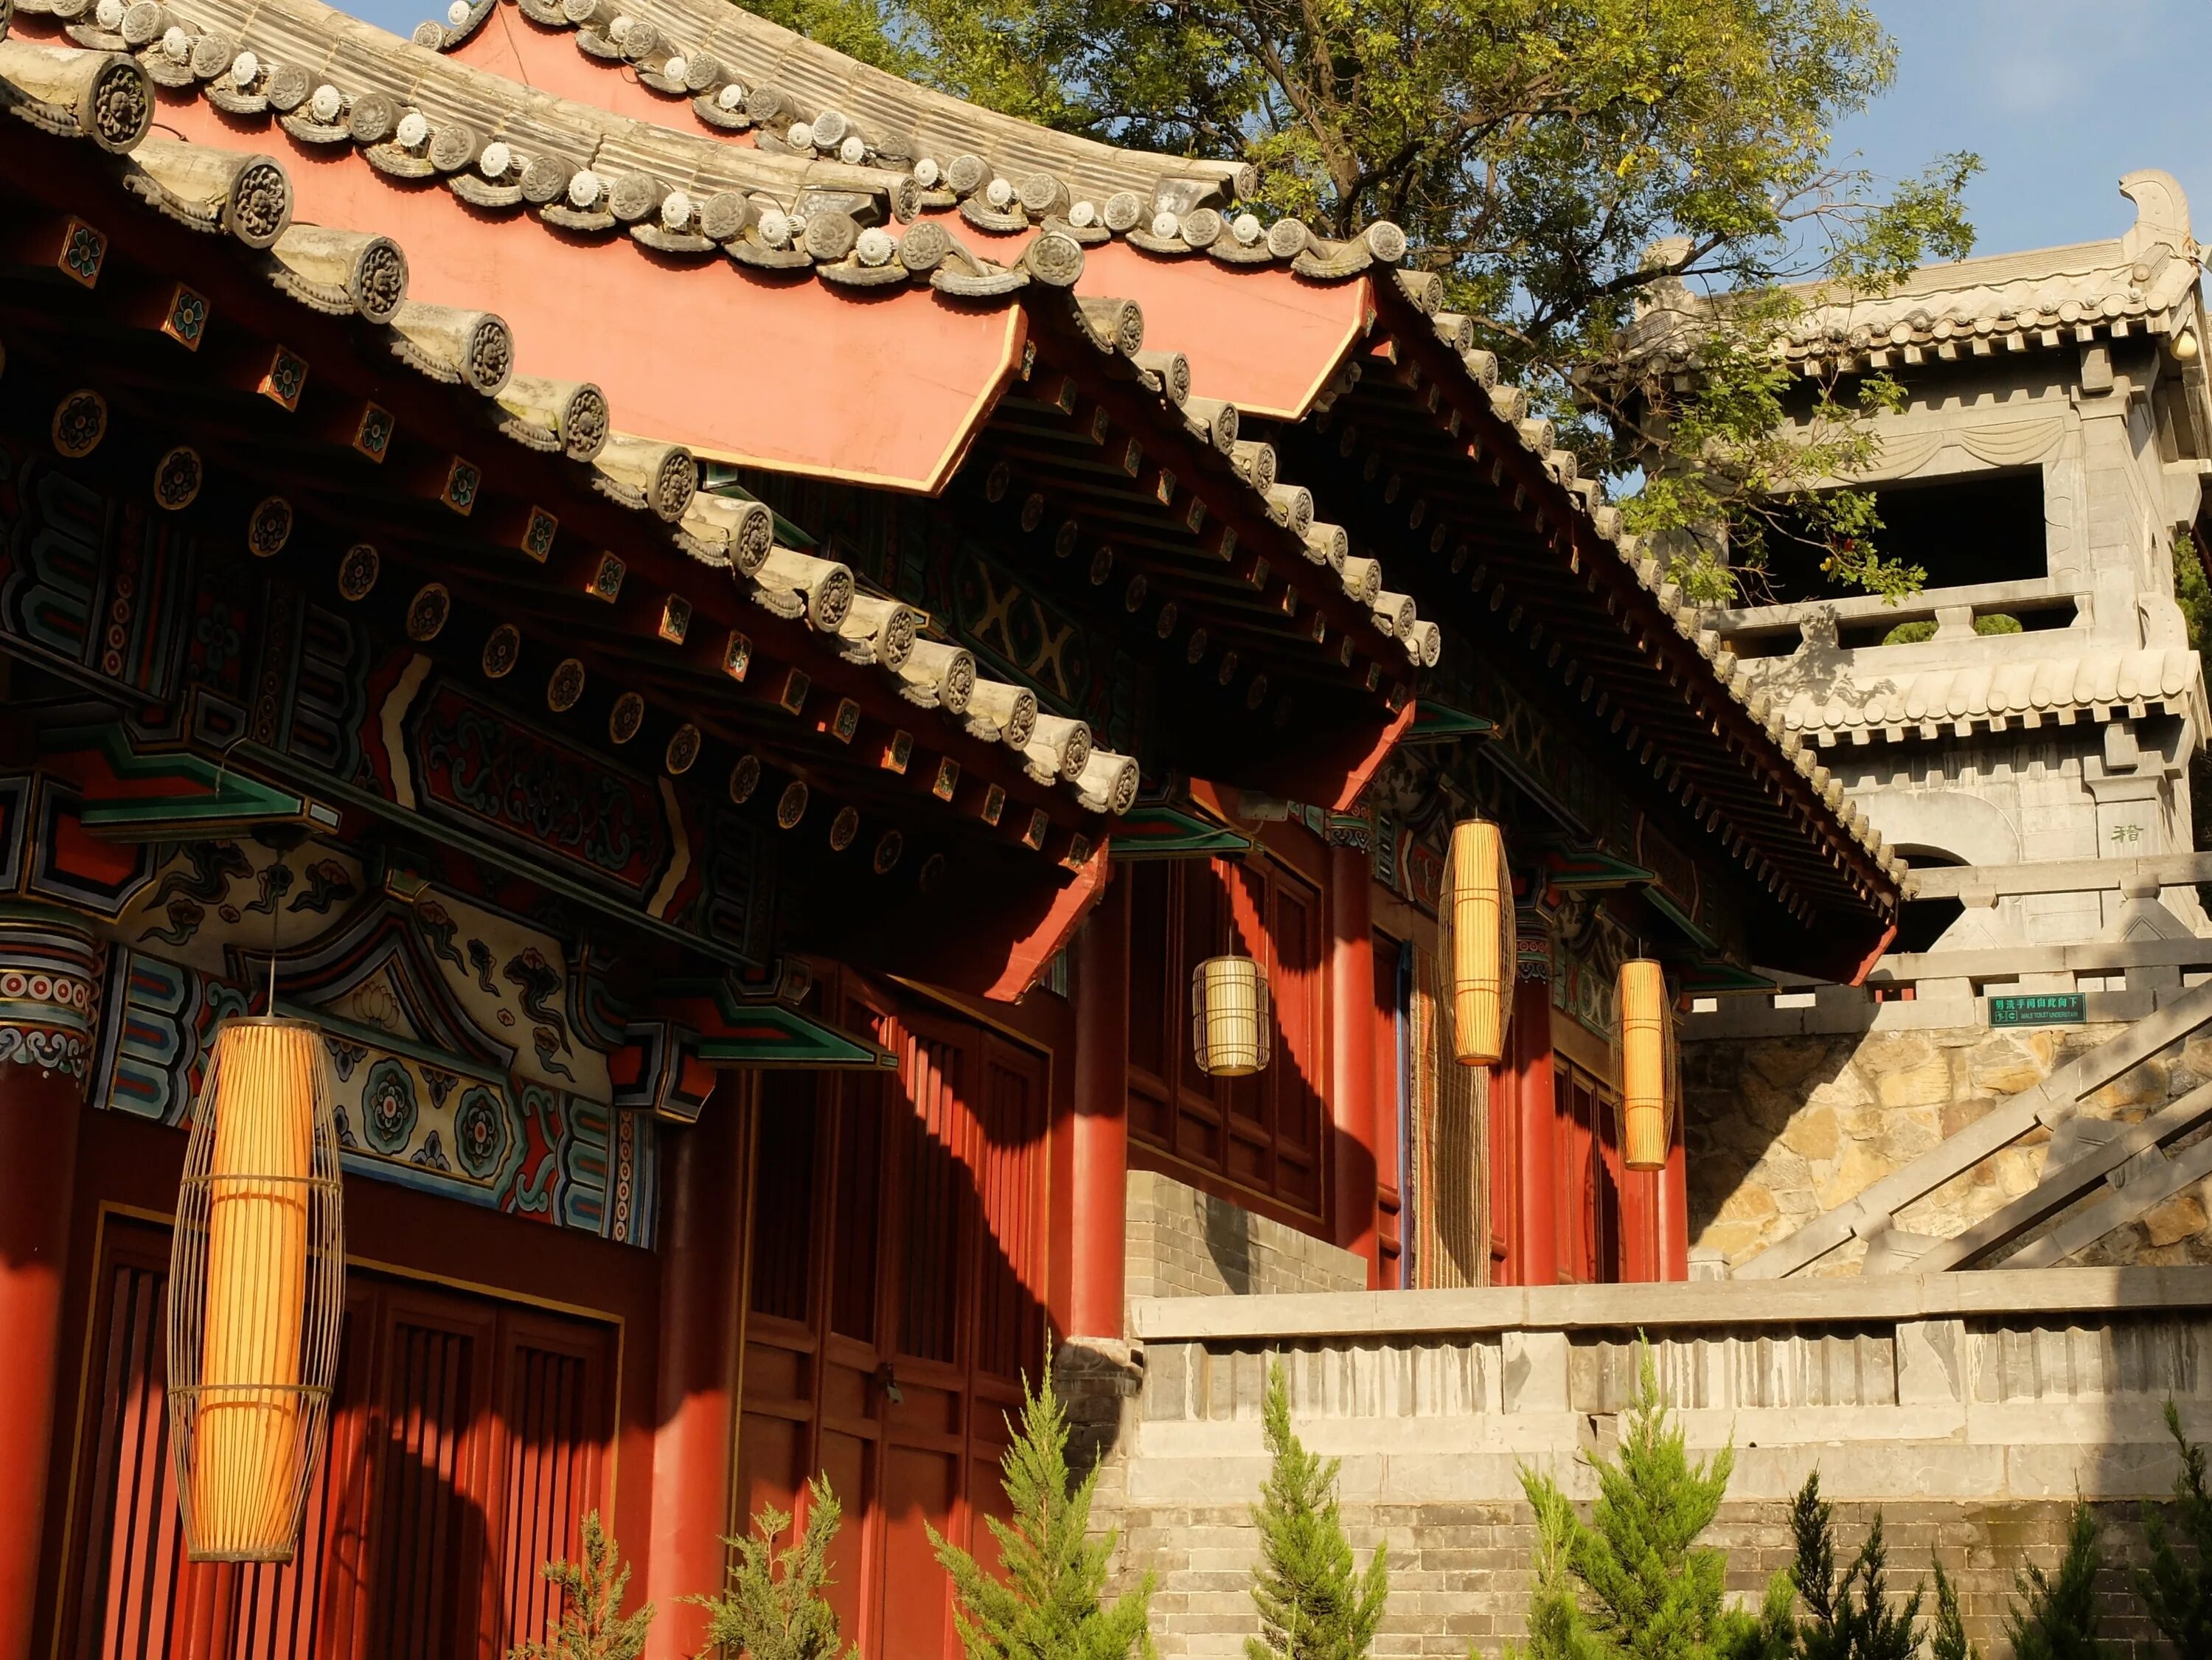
{"type": "Point", "coordinates": [468, 1439]}
{"type": "Point", "coordinates": [897, 1298]}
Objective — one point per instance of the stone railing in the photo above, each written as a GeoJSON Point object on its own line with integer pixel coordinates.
{"type": "Point", "coordinates": [2151, 957]}
{"type": "Point", "coordinates": [1862, 620]}
{"type": "Point", "coordinates": [1969, 1409]}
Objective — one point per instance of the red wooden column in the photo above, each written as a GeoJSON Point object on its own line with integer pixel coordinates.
{"type": "Point", "coordinates": [1100, 1195]}
{"type": "Point", "coordinates": [49, 967]}
{"type": "Point", "coordinates": [1675, 1209]}
{"type": "Point", "coordinates": [1352, 1017]}
{"type": "Point", "coordinates": [1639, 1220]}
{"type": "Point", "coordinates": [702, 1298]}
{"type": "Point", "coordinates": [1536, 1178]}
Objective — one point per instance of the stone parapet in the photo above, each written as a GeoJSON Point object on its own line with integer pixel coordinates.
{"type": "Point", "coordinates": [1969, 1409]}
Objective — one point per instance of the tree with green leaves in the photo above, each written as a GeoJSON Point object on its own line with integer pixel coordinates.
{"type": "Point", "coordinates": [1637, 1586]}
{"type": "Point", "coordinates": [2177, 1590]}
{"type": "Point", "coordinates": [592, 1626]}
{"type": "Point", "coordinates": [1050, 1602]}
{"type": "Point", "coordinates": [1560, 164]}
{"type": "Point", "coordinates": [1946, 1633]}
{"type": "Point", "coordinates": [2057, 1617]}
{"type": "Point", "coordinates": [1313, 1603]}
{"type": "Point", "coordinates": [771, 1607]}
{"type": "Point", "coordinates": [1850, 1617]}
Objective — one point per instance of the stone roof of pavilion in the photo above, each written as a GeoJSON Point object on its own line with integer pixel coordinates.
{"type": "Point", "coordinates": [2141, 282]}
{"type": "Point", "coordinates": [1843, 704]}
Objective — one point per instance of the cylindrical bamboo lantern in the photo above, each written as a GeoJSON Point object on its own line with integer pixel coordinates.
{"type": "Point", "coordinates": [1647, 1065]}
{"type": "Point", "coordinates": [1232, 1021]}
{"type": "Point", "coordinates": [257, 1292]}
{"type": "Point", "coordinates": [1478, 901]}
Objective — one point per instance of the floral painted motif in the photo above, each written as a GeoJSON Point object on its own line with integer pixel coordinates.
{"type": "Point", "coordinates": [389, 1107]}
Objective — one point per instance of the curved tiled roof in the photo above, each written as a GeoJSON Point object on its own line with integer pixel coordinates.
{"type": "Point", "coordinates": [499, 146]}
{"type": "Point", "coordinates": [411, 113]}
{"type": "Point", "coordinates": [103, 97]}
{"type": "Point", "coordinates": [743, 73]}
{"type": "Point", "coordinates": [2141, 282]}
{"type": "Point", "coordinates": [1941, 701]}
{"type": "Point", "coordinates": [776, 203]}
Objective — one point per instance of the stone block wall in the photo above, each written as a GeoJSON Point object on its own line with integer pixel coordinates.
{"type": "Point", "coordinates": [1968, 1409]}
{"type": "Point", "coordinates": [1780, 1129]}
{"type": "Point", "coordinates": [1459, 1573]}
{"type": "Point", "coordinates": [1183, 1242]}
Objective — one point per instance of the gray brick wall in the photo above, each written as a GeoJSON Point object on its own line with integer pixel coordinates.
{"type": "Point", "coordinates": [1968, 1409]}
{"type": "Point", "coordinates": [1459, 1573]}
{"type": "Point", "coordinates": [1182, 1243]}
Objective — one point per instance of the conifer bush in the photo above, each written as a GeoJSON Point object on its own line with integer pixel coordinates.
{"type": "Point", "coordinates": [2177, 1590]}
{"type": "Point", "coordinates": [2058, 1617]}
{"type": "Point", "coordinates": [1850, 1617]}
{"type": "Point", "coordinates": [1049, 1605]}
{"type": "Point", "coordinates": [1313, 1604]}
{"type": "Point", "coordinates": [593, 1625]}
{"type": "Point", "coordinates": [1947, 1635]}
{"type": "Point", "coordinates": [1631, 1582]}
{"type": "Point", "coordinates": [772, 1607]}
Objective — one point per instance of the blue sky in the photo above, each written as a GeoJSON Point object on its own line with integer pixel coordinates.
{"type": "Point", "coordinates": [2058, 97]}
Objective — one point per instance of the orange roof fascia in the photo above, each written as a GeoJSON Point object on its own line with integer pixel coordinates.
{"type": "Point", "coordinates": [882, 387]}
{"type": "Point", "coordinates": [1264, 337]}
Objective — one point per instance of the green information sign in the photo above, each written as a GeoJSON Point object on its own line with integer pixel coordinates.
{"type": "Point", "coordinates": [2042, 1008]}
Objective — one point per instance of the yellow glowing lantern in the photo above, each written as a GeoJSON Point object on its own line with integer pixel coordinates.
{"type": "Point", "coordinates": [1479, 911]}
{"type": "Point", "coordinates": [257, 1292]}
{"type": "Point", "coordinates": [1647, 1065]}
{"type": "Point", "coordinates": [1232, 1021]}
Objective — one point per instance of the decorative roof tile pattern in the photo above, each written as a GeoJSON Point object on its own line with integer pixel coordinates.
{"type": "Point", "coordinates": [783, 203]}
{"type": "Point", "coordinates": [105, 97]}
{"type": "Point", "coordinates": [743, 73]}
{"type": "Point", "coordinates": [1943, 702]}
{"type": "Point", "coordinates": [804, 196]}
{"type": "Point", "coordinates": [2144, 282]}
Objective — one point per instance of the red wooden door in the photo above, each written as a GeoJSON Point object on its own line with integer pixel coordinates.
{"type": "Point", "coordinates": [1590, 1176]}
{"type": "Point", "coordinates": [897, 1299]}
{"type": "Point", "coordinates": [468, 1439]}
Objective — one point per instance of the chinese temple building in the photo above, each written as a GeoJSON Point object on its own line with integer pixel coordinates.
{"type": "Point", "coordinates": [732, 631]}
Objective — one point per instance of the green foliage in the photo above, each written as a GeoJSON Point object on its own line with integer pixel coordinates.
{"type": "Point", "coordinates": [859, 28]}
{"type": "Point", "coordinates": [1313, 1606]}
{"type": "Point", "coordinates": [1640, 1588]}
{"type": "Point", "coordinates": [772, 1607]}
{"type": "Point", "coordinates": [593, 1625]}
{"type": "Point", "coordinates": [1555, 1629]}
{"type": "Point", "coordinates": [1740, 461]}
{"type": "Point", "coordinates": [2177, 1590]}
{"type": "Point", "coordinates": [1048, 1605]}
{"type": "Point", "coordinates": [1850, 1616]}
{"type": "Point", "coordinates": [2060, 1619]}
{"type": "Point", "coordinates": [2193, 592]}
{"type": "Point", "coordinates": [1946, 1637]}
{"type": "Point", "coordinates": [1913, 634]}
{"type": "Point", "coordinates": [1533, 150]}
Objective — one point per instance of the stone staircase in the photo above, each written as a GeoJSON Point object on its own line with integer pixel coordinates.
{"type": "Point", "coordinates": [2098, 1174]}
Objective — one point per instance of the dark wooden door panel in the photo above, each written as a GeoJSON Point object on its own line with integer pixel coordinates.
{"type": "Point", "coordinates": [467, 1440]}
{"type": "Point", "coordinates": [920, 1491]}
{"type": "Point", "coordinates": [927, 1222]}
